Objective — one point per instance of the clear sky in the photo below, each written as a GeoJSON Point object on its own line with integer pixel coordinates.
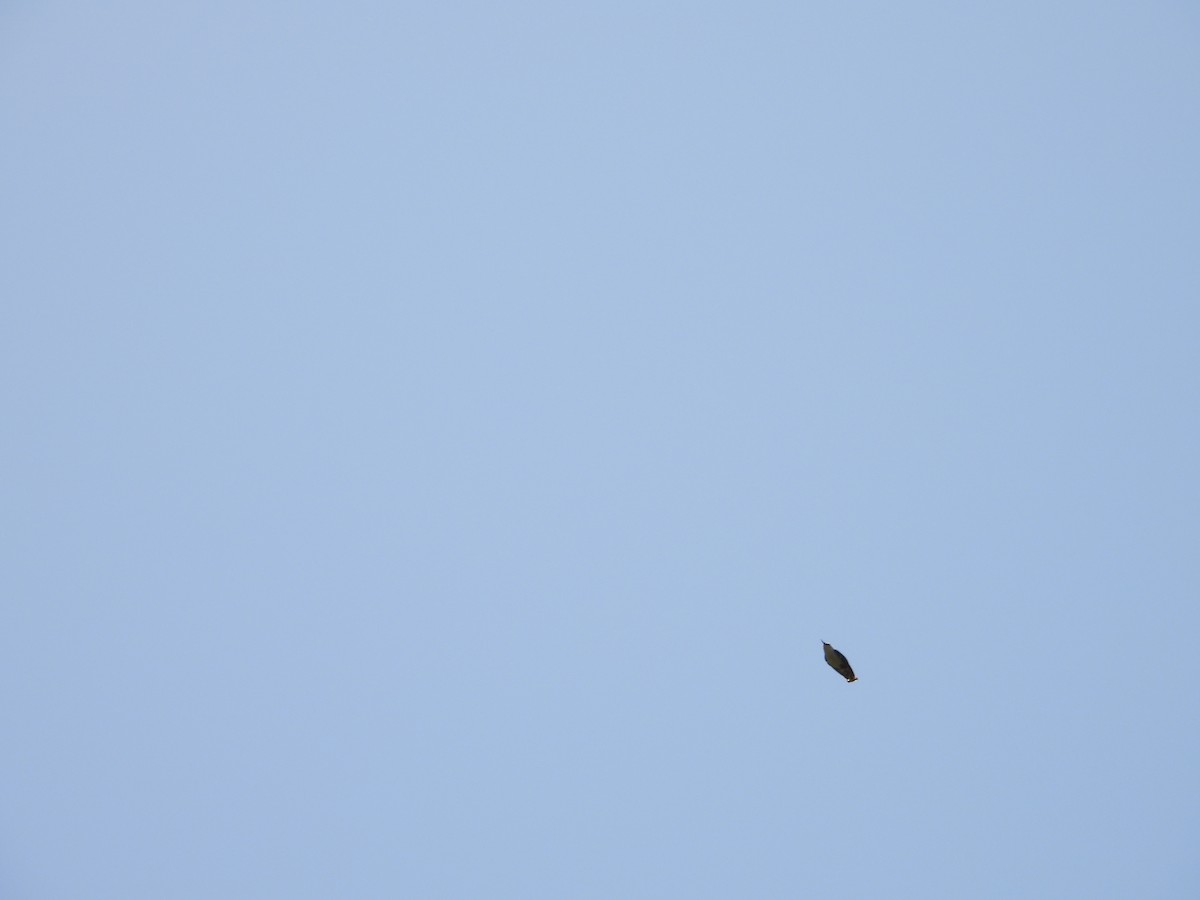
{"type": "Point", "coordinates": [437, 438]}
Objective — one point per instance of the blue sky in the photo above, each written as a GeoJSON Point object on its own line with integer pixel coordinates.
{"type": "Point", "coordinates": [438, 437]}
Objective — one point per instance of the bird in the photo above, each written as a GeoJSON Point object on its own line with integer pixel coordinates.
{"type": "Point", "coordinates": [839, 663]}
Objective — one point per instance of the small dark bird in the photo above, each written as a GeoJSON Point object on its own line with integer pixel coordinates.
{"type": "Point", "coordinates": [839, 663]}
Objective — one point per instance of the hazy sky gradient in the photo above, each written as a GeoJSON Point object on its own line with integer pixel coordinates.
{"type": "Point", "coordinates": [437, 439]}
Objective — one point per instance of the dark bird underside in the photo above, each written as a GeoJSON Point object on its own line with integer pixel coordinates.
{"type": "Point", "coordinates": [839, 663]}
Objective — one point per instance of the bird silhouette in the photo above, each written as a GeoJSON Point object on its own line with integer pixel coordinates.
{"type": "Point", "coordinates": [839, 663]}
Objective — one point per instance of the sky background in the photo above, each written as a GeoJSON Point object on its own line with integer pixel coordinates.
{"type": "Point", "coordinates": [438, 437]}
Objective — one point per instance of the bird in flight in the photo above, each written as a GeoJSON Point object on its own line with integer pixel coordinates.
{"type": "Point", "coordinates": [839, 663]}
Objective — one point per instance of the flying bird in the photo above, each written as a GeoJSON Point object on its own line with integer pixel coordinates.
{"type": "Point", "coordinates": [839, 663]}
